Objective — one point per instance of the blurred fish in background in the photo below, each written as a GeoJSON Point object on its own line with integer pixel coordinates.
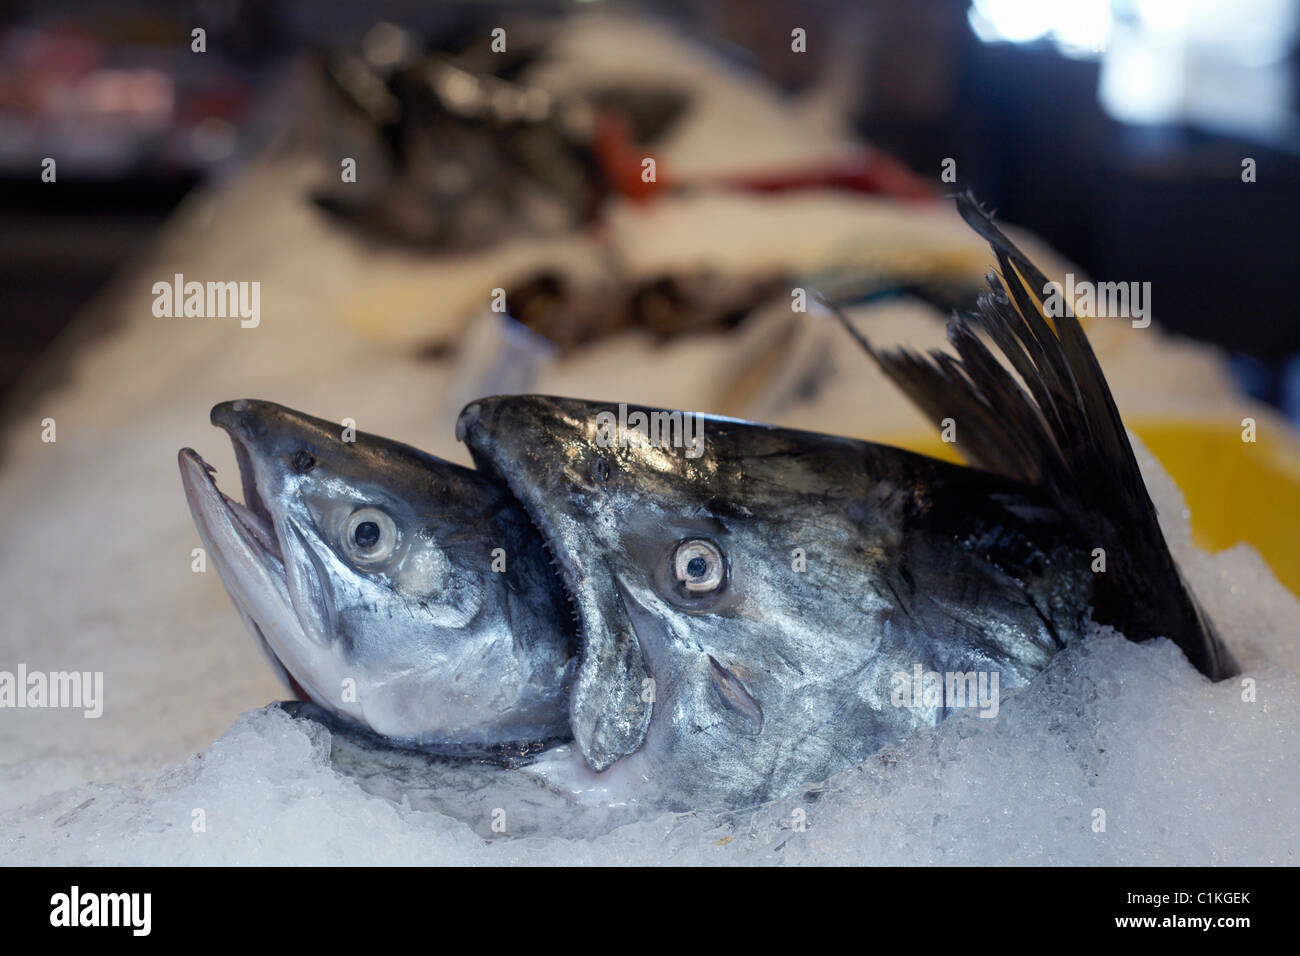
{"type": "Point", "coordinates": [1104, 126]}
{"type": "Point", "coordinates": [616, 182]}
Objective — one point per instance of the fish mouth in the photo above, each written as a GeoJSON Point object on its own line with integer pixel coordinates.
{"type": "Point", "coordinates": [491, 460]}
{"type": "Point", "coordinates": [609, 712]}
{"type": "Point", "coordinates": [242, 543]}
{"type": "Point", "coordinates": [254, 518]}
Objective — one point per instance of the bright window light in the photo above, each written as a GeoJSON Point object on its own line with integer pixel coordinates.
{"type": "Point", "coordinates": [1076, 27]}
{"type": "Point", "coordinates": [1165, 61]}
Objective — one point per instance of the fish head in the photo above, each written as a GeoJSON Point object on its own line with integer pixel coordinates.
{"type": "Point", "coordinates": [681, 552]}
{"type": "Point", "coordinates": [399, 591]}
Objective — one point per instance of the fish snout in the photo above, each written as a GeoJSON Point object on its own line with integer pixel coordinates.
{"type": "Point", "coordinates": [487, 426]}
{"type": "Point", "coordinates": [506, 419]}
{"type": "Point", "coordinates": [511, 438]}
{"type": "Point", "coordinates": [531, 442]}
{"type": "Point", "coordinates": [266, 430]}
{"type": "Point", "coordinates": [243, 418]}
{"type": "Point", "coordinates": [485, 419]}
{"type": "Point", "coordinates": [468, 418]}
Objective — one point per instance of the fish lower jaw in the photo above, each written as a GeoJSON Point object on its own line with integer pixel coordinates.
{"type": "Point", "coordinates": [256, 520]}
{"type": "Point", "coordinates": [259, 526]}
{"type": "Point", "coordinates": [246, 553]}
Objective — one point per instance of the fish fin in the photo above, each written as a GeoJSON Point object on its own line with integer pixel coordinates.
{"type": "Point", "coordinates": [1061, 431]}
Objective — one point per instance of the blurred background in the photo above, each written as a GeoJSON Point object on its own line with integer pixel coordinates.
{"type": "Point", "coordinates": [1114, 129]}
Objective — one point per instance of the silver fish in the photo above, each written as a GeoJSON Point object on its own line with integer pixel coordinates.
{"type": "Point", "coordinates": [760, 615]}
{"type": "Point", "coordinates": [745, 614]}
{"type": "Point", "coordinates": [756, 611]}
{"type": "Point", "coordinates": [366, 570]}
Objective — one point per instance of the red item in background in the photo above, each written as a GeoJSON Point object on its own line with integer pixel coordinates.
{"type": "Point", "coordinates": [620, 159]}
{"type": "Point", "coordinates": [868, 171]}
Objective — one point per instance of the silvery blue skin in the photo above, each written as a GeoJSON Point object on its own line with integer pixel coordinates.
{"type": "Point", "coordinates": [719, 669]}
{"type": "Point", "coordinates": [365, 570]}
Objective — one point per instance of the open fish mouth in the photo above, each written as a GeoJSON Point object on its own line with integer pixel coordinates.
{"type": "Point", "coordinates": [609, 714]}
{"type": "Point", "coordinates": [569, 572]}
{"type": "Point", "coordinates": [242, 544]}
{"type": "Point", "coordinates": [254, 517]}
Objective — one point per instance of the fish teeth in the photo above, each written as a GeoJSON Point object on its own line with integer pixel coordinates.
{"type": "Point", "coordinates": [259, 526]}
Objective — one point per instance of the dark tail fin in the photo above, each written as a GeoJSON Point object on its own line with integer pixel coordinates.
{"type": "Point", "coordinates": [1064, 434]}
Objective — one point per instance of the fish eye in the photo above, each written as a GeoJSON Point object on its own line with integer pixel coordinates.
{"type": "Point", "coordinates": [303, 461]}
{"type": "Point", "coordinates": [600, 469]}
{"type": "Point", "coordinates": [369, 535]}
{"type": "Point", "coordinates": [699, 565]}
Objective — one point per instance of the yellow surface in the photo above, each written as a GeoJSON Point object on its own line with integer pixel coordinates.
{"type": "Point", "coordinates": [1236, 490]}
